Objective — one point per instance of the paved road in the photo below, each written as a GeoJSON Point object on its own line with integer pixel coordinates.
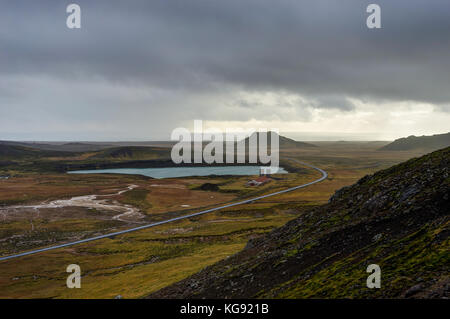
{"type": "Point", "coordinates": [324, 176]}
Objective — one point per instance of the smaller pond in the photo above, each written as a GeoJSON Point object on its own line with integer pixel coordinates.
{"type": "Point", "coordinates": [168, 172]}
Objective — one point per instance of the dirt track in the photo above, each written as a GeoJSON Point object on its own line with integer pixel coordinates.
{"type": "Point", "coordinates": [126, 213]}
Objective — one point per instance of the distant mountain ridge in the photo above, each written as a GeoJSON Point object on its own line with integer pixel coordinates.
{"type": "Point", "coordinates": [65, 147]}
{"type": "Point", "coordinates": [62, 156]}
{"type": "Point", "coordinates": [284, 142]}
{"type": "Point", "coordinates": [17, 152]}
{"type": "Point", "coordinates": [430, 143]}
{"type": "Point", "coordinates": [132, 153]}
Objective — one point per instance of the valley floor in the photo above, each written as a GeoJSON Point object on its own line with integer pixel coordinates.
{"type": "Point", "coordinates": [137, 264]}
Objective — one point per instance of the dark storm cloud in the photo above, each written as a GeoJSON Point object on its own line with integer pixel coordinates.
{"type": "Point", "coordinates": [309, 47]}
{"type": "Point", "coordinates": [135, 62]}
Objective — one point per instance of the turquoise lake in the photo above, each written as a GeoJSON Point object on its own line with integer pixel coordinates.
{"type": "Point", "coordinates": [168, 172]}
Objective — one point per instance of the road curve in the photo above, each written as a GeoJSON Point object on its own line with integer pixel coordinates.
{"type": "Point", "coordinates": [324, 176]}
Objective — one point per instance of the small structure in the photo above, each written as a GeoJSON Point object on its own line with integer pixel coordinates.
{"type": "Point", "coordinates": [259, 181]}
{"type": "Point", "coordinates": [4, 176]}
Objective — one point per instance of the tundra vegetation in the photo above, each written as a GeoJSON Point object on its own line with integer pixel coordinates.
{"type": "Point", "coordinates": [140, 263]}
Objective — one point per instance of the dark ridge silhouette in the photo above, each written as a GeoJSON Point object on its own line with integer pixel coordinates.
{"type": "Point", "coordinates": [429, 143]}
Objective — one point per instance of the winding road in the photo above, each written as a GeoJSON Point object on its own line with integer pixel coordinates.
{"type": "Point", "coordinates": [247, 201]}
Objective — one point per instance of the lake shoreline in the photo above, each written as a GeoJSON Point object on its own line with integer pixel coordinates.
{"type": "Point", "coordinates": [186, 171]}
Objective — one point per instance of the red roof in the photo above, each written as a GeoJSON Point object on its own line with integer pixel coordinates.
{"type": "Point", "coordinates": [262, 179]}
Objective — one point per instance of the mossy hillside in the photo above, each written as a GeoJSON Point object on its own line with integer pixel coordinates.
{"type": "Point", "coordinates": [396, 218]}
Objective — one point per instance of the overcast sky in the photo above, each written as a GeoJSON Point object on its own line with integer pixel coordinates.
{"type": "Point", "coordinates": [138, 69]}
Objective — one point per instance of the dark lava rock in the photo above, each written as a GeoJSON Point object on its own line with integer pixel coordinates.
{"type": "Point", "coordinates": [414, 290]}
{"type": "Point", "coordinates": [209, 187]}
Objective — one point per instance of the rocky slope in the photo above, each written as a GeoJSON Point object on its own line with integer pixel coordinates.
{"type": "Point", "coordinates": [397, 218]}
